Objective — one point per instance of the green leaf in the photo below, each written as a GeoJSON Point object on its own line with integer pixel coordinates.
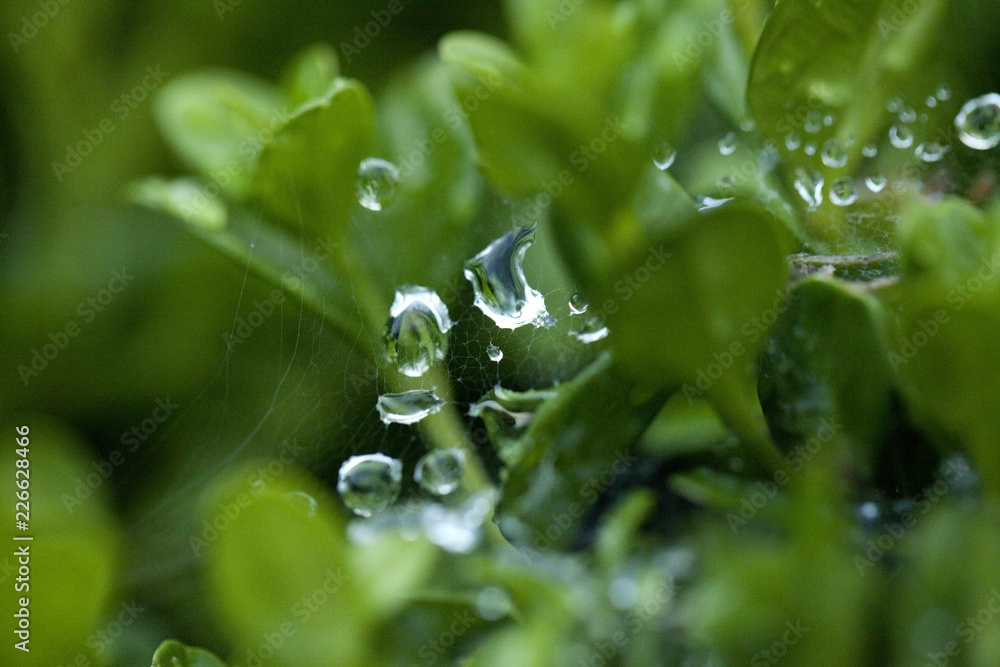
{"type": "Point", "coordinates": [692, 310]}
{"type": "Point", "coordinates": [306, 176]}
{"type": "Point", "coordinates": [825, 371]}
{"type": "Point", "coordinates": [946, 312]}
{"type": "Point", "coordinates": [579, 443]}
{"type": "Point", "coordinates": [217, 121]}
{"type": "Point", "coordinates": [252, 244]}
{"type": "Point", "coordinates": [310, 74]}
{"type": "Point", "coordinates": [174, 654]}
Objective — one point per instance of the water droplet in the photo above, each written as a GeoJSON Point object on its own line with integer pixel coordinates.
{"type": "Point", "coordinates": [725, 184]}
{"type": "Point", "coordinates": [494, 353]}
{"type": "Point", "coordinates": [842, 192]}
{"type": "Point", "coordinates": [577, 304]}
{"type": "Point", "coordinates": [369, 483]}
{"type": "Point", "coordinates": [834, 154]}
{"type": "Point", "coordinates": [376, 184]}
{"type": "Point", "coordinates": [416, 336]}
{"type": "Point", "coordinates": [305, 500]}
{"type": "Point", "coordinates": [809, 185]}
{"type": "Point", "coordinates": [493, 603]}
{"type": "Point", "coordinates": [747, 125]}
{"type": "Point", "coordinates": [592, 330]}
{"type": "Point", "coordinates": [813, 122]}
{"type": "Point", "coordinates": [978, 122]}
{"type": "Point", "coordinates": [943, 92]}
{"type": "Point", "coordinates": [408, 407]}
{"type": "Point", "coordinates": [931, 151]}
{"type": "Point", "coordinates": [868, 511]}
{"type": "Point", "coordinates": [870, 151]}
{"type": "Point", "coordinates": [793, 141]}
{"type": "Point", "coordinates": [908, 115]}
{"type": "Point", "coordinates": [900, 136]}
{"type": "Point", "coordinates": [895, 105]}
{"type": "Point", "coordinates": [768, 158]}
{"type": "Point", "coordinates": [727, 144]}
{"type": "Point", "coordinates": [501, 291]}
{"type": "Point", "coordinates": [810, 148]}
{"type": "Point", "coordinates": [876, 183]}
{"type": "Point", "coordinates": [829, 119]}
{"type": "Point", "coordinates": [440, 472]}
{"type": "Point", "coordinates": [623, 592]}
{"type": "Point", "coordinates": [707, 203]}
{"type": "Point", "coordinates": [664, 155]}
{"type": "Point", "coordinates": [931, 101]}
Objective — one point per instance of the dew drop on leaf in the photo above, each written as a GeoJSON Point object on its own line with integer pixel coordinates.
{"type": "Point", "coordinates": [495, 353]}
{"type": "Point", "coordinates": [793, 141]}
{"type": "Point", "coordinates": [931, 151]}
{"type": "Point", "coordinates": [501, 290]}
{"type": "Point", "coordinates": [876, 182]}
{"type": "Point", "coordinates": [376, 183]}
{"type": "Point", "coordinates": [592, 330]}
{"type": "Point", "coordinates": [834, 154]}
{"type": "Point", "coordinates": [577, 304]}
{"type": "Point", "coordinates": [842, 192]}
{"type": "Point", "coordinates": [369, 483]}
{"type": "Point", "coordinates": [809, 185]}
{"type": "Point", "coordinates": [440, 472]}
{"type": "Point", "coordinates": [727, 144]}
{"type": "Point", "coordinates": [664, 155]}
{"type": "Point", "coordinates": [978, 122]}
{"type": "Point", "coordinates": [408, 407]}
{"type": "Point", "coordinates": [813, 122]}
{"type": "Point", "coordinates": [416, 337]}
{"type": "Point", "coordinates": [901, 136]}
{"type": "Point", "coordinates": [870, 151]}
{"type": "Point", "coordinates": [303, 499]}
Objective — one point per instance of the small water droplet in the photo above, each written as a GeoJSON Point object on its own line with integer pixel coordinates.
{"type": "Point", "coordinates": [870, 151]}
{"type": "Point", "coordinates": [834, 154]}
{"type": "Point", "coordinates": [978, 122]}
{"type": "Point", "coordinates": [895, 105]}
{"type": "Point", "coordinates": [842, 192]}
{"type": "Point", "coordinates": [376, 183]}
{"type": "Point", "coordinates": [369, 483]}
{"type": "Point", "coordinates": [943, 92]}
{"type": "Point", "coordinates": [440, 472]}
{"type": "Point", "coordinates": [747, 125]}
{"type": "Point", "coordinates": [908, 115]}
{"type": "Point", "coordinates": [876, 183]}
{"type": "Point", "coordinates": [793, 141]}
{"type": "Point", "coordinates": [305, 500]}
{"type": "Point", "coordinates": [623, 592]}
{"type": "Point", "coordinates": [931, 151]}
{"type": "Point", "coordinates": [577, 304]}
{"type": "Point", "coordinates": [931, 101]}
{"type": "Point", "coordinates": [592, 330]}
{"type": "Point", "coordinates": [829, 119]}
{"type": "Point", "coordinates": [501, 291]}
{"type": "Point", "coordinates": [707, 203]}
{"type": "Point", "coordinates": [809, 185]}
{"type": "Point", "coordinates": [725, 184]}
{"type": "Point", "coordinates": [727, 144]}
{"type": "Point", "coordinates": [494, 353]}
{"type": "Point", "coordinates": [416, 337]}
{"type": "Point", "coordinates": [868, 511]}
{"type": "Point", "coordinates": [810, 148]}
{"type": "Point", "coordinates": [900, 136]}
{"type": "Point", "coordinates": [664, 155]}
{"type": "Point", "coordinates": [813, 122]}
{"type": "Point", "coordinates": [408, 407]}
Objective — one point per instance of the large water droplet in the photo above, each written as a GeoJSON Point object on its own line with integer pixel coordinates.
{"type": "Point", "coordinates": [664, 155]}
{"type": "Point", "coordinates": [876, 182]}
{"type": "Point", "coordinates": [440, 472]}
{"type": "Point", "coordinates": [978, 122]}
{"type": "Point", "coordinates": [494, 353]}
{"type": "Point", "coordinates": [931, 151]}
{"type": "Point", "coordinates": [834, 154]}
{"type": "Point", "coordinates": [416, 336]}
{"type": "Point", "coordinates": [370, 483]}
{"type": "Point", "coordinates": [809, 185]}
{"type": "Point", "coordinates": [501, 291]}
{"type": "Point", "coordinates": [408, 407]}
{"type": "Point", "coordinates": [376, 184]}
{"type": "Point", "coordinates": [900, 136]}
{"type": "Point", "coordinates": [592, 330]}
{"type": "Point", "coordinates": [727, 144]}
{"type": "Point", "coordinates": [842, 192]}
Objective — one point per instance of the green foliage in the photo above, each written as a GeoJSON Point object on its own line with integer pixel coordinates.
{"type": "Point", "coordinates": [783, 450]}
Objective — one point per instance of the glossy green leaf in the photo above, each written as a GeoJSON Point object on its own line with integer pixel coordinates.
{"type": "Point", "coordinates": [825, 375]}
{"type": "Point", "coordinates": [310, 74]}
{"type": "Point", "coordinates": [218, 121]}
{"type": "Point", "coordinates": [174, 654]}
{"type": "Point", "coordinates": [71, 560]}
{"type": "Point", "coordinates": [307, 175]}
{"type": "Point", "coordinates": [693, 309]}
{"type": "Point", "coordinates": [947, 313]}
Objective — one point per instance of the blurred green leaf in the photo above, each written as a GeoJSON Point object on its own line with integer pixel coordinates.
{"type": "Point", "coordinates": [174, 654]}
{"type": "Point", "coordinates": [310, 74]}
